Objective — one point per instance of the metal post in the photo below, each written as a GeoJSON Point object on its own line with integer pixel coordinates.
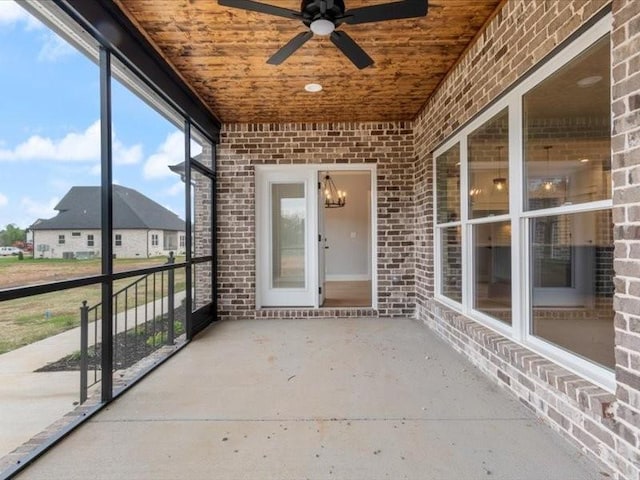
{"type": "Point", "coordinates": [107, 224]}
{"type": "Point", "coordinates": [84, 347]}
{"type": "Point", "coordinates": [188, 321]}
{"type": "Point", "coordinates": [214, 235]}
{"type": "Point", "coordinates": [171, 288]}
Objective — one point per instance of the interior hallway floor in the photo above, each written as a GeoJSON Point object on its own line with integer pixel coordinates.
{"type": "Point", "coordinates": [347, 294]}
{"type": "Point", "coordinates": [318, 399]}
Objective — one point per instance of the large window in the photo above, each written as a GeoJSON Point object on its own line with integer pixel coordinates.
{"type": "Point", "coordinates": [524, 233]}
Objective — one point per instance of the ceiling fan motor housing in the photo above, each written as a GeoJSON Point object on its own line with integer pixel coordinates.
{"type": "Point", "coordinates": [321, 9]}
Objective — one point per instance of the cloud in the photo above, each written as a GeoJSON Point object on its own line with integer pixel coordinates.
{"type": "Point", "coordinates": [175, 189]}
{"type": "Point", "coordinates": [95, 170]}
{"type": "Point", "coordinates": [54, 48]}
{"type": "Point", "coordinates": [37, 209]}
{"type": "Point", "coordinates": [12, 13]}
{"type": "Point", "coordinates": [123, 155]}
{"type": "Point", "coordinates": [73, 147]}
{"type": "Point", "coordinates": [4, 201]}
{"type": "Point", "coordinates": [170, 152]}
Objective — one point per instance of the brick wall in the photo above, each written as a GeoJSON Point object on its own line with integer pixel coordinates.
{"type": "Point", "coordinates": [605, 425]}
{"type": "Point", "coordinates": [626, 199]}
{"type": "Point", "coordinates": [388, 145]}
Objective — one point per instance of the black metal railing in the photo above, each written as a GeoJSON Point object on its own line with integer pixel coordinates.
{"type": "Point", "coordinates": [142, 323]}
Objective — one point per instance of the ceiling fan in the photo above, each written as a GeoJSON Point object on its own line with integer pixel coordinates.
{"type": "Point", "coordinates": [322, 17]}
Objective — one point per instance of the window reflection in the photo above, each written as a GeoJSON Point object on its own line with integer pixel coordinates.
{"type": "Point", "coordinates": [489, 168]}
{"type": "Point", "coordinates": [567, 137]}
{"type": "Point", "coordinates": [572, 280]}
{"type": "Point", "coordinates": [448, 185]}
{"type": "Point", "coordinates": [492, 270]}
{"type": "Point", "coordinates": [452, 263]}
{"type": "Point", "coordinates": [288, 235]}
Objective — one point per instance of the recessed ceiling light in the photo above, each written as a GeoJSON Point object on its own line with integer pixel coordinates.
{"type": "Point", "coordinates": [313, 87]}
{"type": "Point", "coordinates": [588, 81]}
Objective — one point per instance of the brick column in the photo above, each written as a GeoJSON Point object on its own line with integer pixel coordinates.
{"type": "Point", "coordinates": [626, 198]}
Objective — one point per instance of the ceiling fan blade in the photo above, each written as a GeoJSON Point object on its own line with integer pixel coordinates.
{"type": "Point", "coordinates": [294, 44]}
{"type": "Point", "coordinates": [351, 49]}
{"type": "Point", "coordinates": [260, 8]}
{"type": "Point", "coordinates": [387, 11]}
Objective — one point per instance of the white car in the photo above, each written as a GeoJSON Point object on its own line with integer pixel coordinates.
{"type": "Point", "coordinates": [6, 251]}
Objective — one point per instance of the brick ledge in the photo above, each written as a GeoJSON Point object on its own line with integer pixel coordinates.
{"type": "Point", "coordinates": [300, 313]}
{"type": "Point", "coordinates": [584, 394]}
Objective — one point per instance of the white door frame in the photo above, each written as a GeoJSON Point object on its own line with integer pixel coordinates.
{"type": "Point", "coordinates": [322, 242]}
{"type": "Point", "coordinates": [283, 173]}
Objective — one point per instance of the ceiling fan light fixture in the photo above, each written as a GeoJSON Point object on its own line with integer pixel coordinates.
{"type": "Point", "coordinates": [313, 87]}
{"type": "Point", "coordinates": [322, 27]}
{"type": "Point", "coordinates": [500, 183]}
{"type": "Point", "coordinates": [321, 17]}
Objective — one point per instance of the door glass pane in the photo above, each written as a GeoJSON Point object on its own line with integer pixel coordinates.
{"type": "Point", "coordinates": [488, 148]}
{"type": "Point", "coordinates": [448, 185]}
{"type": "Point", "coordinates": [288, 215]}
{"type": "Point", "coordinates": [492, 270]}
{"type": "Point", "coordinates": [572, 280]}
{"type": "Point", "coordinates": [567, 133]}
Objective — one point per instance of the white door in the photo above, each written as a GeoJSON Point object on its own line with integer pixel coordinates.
{"type": "Point", "coordinates": [322, 243]}
{"type": "Point", "coordinates": [285, 230]}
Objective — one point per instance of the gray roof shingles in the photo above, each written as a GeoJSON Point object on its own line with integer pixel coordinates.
{"type": "Point", "coordinates": [80, 209]}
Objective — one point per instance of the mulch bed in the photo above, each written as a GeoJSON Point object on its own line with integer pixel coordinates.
{"type": "Point", "coordinates": [129, 347]}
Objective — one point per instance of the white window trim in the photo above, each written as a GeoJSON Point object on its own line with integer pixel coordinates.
{"type": "Point", "coordinates": [519, 217]}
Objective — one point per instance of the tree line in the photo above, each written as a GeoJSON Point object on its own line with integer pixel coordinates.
{"type": "Point", "coordinates": [11, 234]}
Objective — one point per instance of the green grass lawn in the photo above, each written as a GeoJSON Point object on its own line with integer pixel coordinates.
{"type": "Point", "coordinates": [26, 320]}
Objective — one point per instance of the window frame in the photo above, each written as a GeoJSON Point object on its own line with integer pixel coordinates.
{"type": "Point", "coordinates": [90, 240]}
{"type": "Point", "coordinates": [62, 239]}
{"type": "Point", "coordinates": [520, 329]}
{"type": "Point", "coordinates": [117, 240]}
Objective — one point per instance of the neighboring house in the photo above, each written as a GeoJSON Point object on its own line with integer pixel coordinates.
{"type": "Point", "coordinates": [141, 227]}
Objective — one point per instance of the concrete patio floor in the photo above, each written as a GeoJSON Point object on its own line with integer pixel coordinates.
{"type": "Point", "coordinates": [317, 399]}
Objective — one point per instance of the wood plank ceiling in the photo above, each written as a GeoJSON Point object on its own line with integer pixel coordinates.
{"type": "Point", "coordinates": [222, 52]}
